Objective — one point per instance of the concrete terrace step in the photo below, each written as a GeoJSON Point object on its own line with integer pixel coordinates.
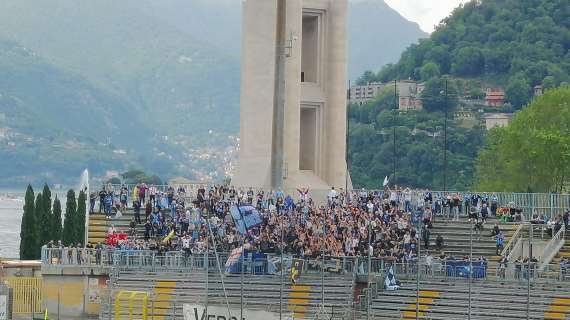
{"type": "Point", "coordinates": [490, 300]}
{"type": "Point", "coordinates": [302, 298]}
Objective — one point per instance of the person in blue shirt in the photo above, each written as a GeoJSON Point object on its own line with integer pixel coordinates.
{"type": "Point", "coordinates": [108, 205]}
{"type": "Point", "coordinates": [500, 243]}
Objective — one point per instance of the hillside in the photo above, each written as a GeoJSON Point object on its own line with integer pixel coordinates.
{"type": "Point", "coordinates": [155, 81]}
{"type": "Point", "coordinates": [515, 44]}
{"type": "Point", "coordinates": [168, 76]}
{"type": "Point", "coordinates": [511, 44]}
{"type": "Point", "coordinates": [377, 36]}
{"type": "Point", "coordinates": [53, 122]}
{"type": "Point", "coordinates": [118, 76]}
{"type": "Point", "coordinates": [368, 22]}
{"type": "Point", "coordinates": [419, 151]}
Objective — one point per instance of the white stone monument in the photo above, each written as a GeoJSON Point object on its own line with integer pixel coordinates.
{"type": "Point", "coordinates": [293, 95]}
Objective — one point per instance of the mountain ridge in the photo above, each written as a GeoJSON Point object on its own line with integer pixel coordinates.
{"type": "Point", "coordinates": [166, 75]}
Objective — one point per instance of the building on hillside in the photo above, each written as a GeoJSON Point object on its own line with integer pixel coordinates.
{"type": "Point", "coordinates": [362, 94]}
{"type": "Point", "coordinates": [493, 120]}
{"type": "Point", "coordinates": [494, 97]}
{"type": "Point", "coordinates": [410, 103]}
{"type": "Point", "coordinates": [409, 93]}
{"type": "Point", "coordinates": [538, 90]}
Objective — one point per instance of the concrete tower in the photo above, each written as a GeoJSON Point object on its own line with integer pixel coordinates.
{"type": "Point", "coordinates": [293, 94]}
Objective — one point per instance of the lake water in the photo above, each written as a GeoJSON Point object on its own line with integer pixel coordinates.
{"type": "Point", "coordinates": [11, 210]}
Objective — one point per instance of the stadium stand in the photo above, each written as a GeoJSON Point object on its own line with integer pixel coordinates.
{"type": "Point", "coordinates": [170, 290]}
{"type": "Point", "coordinates": [445, 299]}
{"type": "Point", "coordinates": [456, 239]}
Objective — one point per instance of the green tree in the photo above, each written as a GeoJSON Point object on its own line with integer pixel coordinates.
{"type": "Point", "coordinates": [518, 91]}
{"type": "Point", "coordinates": [429, 70]}
{"type": "Point", "coordinates": [533, 152]}
{"type": "Point", "coordinates": [40, 218]}
{"type": "Point", "coordinates": [80, 217]}
{"type": "Point", "coordinates": [496, 40]}
{"type": "Point", "coordinates": [56, 222]}
{"type": "Point", "coordinates": [139, 176]}
{"type": "Point", "coordinates": [45, 216]}
{"type": "Point", "coordinates": [367, 77]}
{"type": "Point", "coordinates": [468, 61]}
{"type": "Point", "coordinates": [436, 97]}
{"type": "Point", "coordinates": [28, 229]}
{"type": "Point", "coordinates": [419, 154]}
{"type": "Point", "coordinates": [548, 82]}
{"type": "Point", "coordinates": [69, 222]}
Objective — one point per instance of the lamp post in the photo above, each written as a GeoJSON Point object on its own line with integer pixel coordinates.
{"type": "Point", "coordinates": [445, 141]}
{"type": "Point", "coordinates": [394, 129]}
{"type": "Point", "coordinates": [470, 265]}
{"type": "Point", "coordinates": [530, 236]}
{"type": "Point", "coordinates": [418, 275]}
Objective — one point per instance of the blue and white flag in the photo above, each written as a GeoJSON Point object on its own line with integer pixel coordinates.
{"type": "Point", "coordinates": [245, 217]}
{"type": "Point", "coordinates": [390, 282]}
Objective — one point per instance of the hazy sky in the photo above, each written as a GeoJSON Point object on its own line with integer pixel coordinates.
{"type": "Point", "coordinates": [427, 13]}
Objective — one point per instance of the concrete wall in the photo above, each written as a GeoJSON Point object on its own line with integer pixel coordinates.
{"type": "Point", "coordinates": [521, 248]}
{"type": "Point", "coordinates": [74, 292]}
{"type": "Point", "coordinates": [257, 93]}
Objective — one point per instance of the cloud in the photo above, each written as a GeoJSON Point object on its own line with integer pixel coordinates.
{"type": "Point", "coordinates": [427, 13]}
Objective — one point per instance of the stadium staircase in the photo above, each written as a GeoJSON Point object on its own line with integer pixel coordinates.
{"type": "Point", "coordinates": [564, 252]}
{"type": "Point", "coordinates": [445, 299]}
{"type": "Point", "coordinates": [456, 238]}
{"type": "Point", "coordinates": [99, 226]}
{"type": "Point", "coordinates": [169, 290]}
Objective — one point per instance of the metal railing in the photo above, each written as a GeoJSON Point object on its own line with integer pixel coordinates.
{"type": "Point", "coordinates": [552, 248]}
{"type": "Point", "coordinates": [77, 257]}
{"type": "Point", "coordinates": [515, 272]}
{"type": "Point", "coordinates": [152, 261]}
{"type": "Point", "coordinates": [509, 248]}
{"type": "Point", "coordinates": [547, 204]}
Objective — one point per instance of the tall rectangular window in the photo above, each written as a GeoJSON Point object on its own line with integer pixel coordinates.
{"type": "Point", "coordinates": [308, 139]}
{"type": "Point", "coordinates": [310, 49]}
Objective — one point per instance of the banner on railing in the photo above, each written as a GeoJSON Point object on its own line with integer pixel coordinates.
{"type": "Point", "coordinates": [461, 269]}
{"type": "Point", "coordinates": [198, 312]}
{"type": "Point", "coordinates": [233, 260]}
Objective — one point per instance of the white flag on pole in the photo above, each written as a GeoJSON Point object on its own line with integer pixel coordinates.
{"type": "Point", "coordinates": [390, 283]}
{"type": "Point", "coordinates": [385, 181]}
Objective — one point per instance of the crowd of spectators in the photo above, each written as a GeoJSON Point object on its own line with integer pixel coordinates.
{"type": "Point", "coordinates": [347, 225]}
{"type": "Point", "coordinates": [388, 224]}
{"type": "Point", "coordinates": [385, 224]}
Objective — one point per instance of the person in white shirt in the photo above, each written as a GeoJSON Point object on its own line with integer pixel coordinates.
{"type": "Point", "coordinates": [370, 206]}
{"type": "Point", "coordinates": [186, 245]}
{"type": "Point", "coordinates": [332, 196]}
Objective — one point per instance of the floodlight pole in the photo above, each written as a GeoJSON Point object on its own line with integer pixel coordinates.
{"type": "Point", "coordinates": [282, 267]}
{"type": "Point", "coordinates": [418, 276]}
{"type": "Point", "coordinates": [445, 142]}
{"type": "Point", "coordinates": [369, 300]}
{"type": "Point", "coordinates": [241, 278]}
{"type": "Point", "coordinates": [530, 236]}
{"type": "Point", "coordinates": [470, 265]}
{"type": "Point", "coordinates": [394, 129]}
